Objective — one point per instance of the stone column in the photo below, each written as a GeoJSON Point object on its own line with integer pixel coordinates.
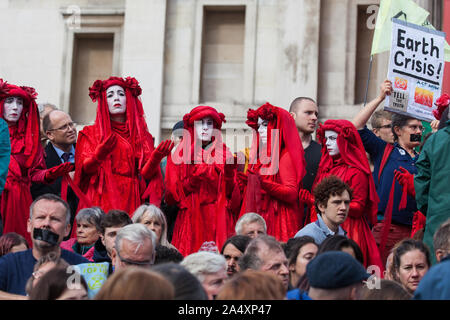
{"type": "Point", "coordinates": [299, 50]}
{"type": "Point", "coordinates": [143, 55]}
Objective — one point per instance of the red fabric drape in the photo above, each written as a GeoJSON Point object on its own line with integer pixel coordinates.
{"type": "Point", "coordinates": [352, 166]}
{"type": "Point", "coordinates": [275, 173]}
{"type": "Point", "coordinates": [118, 183]}
{"type": "Point", "coordinates": [27, 162]}
{"type": "Point", "coordinates": [204, 213]}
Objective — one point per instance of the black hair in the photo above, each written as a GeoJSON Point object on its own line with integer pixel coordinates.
{"type": "Point", "coordinates": [337, 242]}
{"type": "Point", "coordinates": [239, 241]}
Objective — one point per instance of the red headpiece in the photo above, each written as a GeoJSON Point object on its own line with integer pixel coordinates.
{"type": "Point", "coordinates": [352, 151]}
{"type": "Point", "coordinates": [28, 123]}
{"type": "Point", "coordinates": [288, 137]}
{"type": "Point", "coordinates": [135, 118]}
{"type": "Point", "coordinates": [441, 104]}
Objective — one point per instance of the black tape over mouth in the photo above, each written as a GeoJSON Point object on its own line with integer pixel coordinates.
{"type": "Point", "coordinates": [46, 236]}
{"type": "Point", "coordinates": [415, 137]}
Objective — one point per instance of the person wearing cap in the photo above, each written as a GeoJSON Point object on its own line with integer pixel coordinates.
{"type": "Point", "coordinates": [117, 164]}
{"type": "Point", "coordinates": [18, 108]}
{"type": "Point", "coordinates": [335, 275]}
{"type": "Point", "coordinates": [200, 179]}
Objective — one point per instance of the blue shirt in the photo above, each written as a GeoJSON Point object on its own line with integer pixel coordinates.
{"type": "Point", "coordinates": [71, 154]}
{"type": "Point", "coordinates": [319, 231]}
{"type": "Point", "coordinates": [16, 269]}
{"type": "Point", "coordinates": [398, 158]}
{"type": "Point", "coordinates": [296, 294]}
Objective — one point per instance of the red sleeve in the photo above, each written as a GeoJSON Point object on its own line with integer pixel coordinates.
{"type": "Point", "coordinates": [287, 190]}
{"type": "Point", "coordinates": [38, 168]}
{"type": "Point", "coordinates": [359, 183]}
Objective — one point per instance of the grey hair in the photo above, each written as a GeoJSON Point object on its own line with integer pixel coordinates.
{"type": "Point", "coordinates": [156, 213]}
{"type": "Point", "coordinates": [249, 218]}
{"type": "Point", "coordinates": [251, 257]}
{"type": "Point", "coordinates": [203, 263]}
{"type": "Point", "coordinates": [135, 233]}
{"type": "Point", "coordinates": [54, 198]}
{"type": "Point", "coordinates": [441, 238]}
{"type": "Point", "coordinates": [92, 216]}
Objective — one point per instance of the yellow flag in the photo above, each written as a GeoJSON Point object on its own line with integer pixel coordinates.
{"type": "Point", "coordinates": [406, 10]}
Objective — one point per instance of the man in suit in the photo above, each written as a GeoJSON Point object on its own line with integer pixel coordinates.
{"type": "Point", "coordinates": [62, 135]}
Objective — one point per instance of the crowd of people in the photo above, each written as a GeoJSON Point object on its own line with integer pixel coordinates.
{"type": "Point", "coordinates": [104, 214]}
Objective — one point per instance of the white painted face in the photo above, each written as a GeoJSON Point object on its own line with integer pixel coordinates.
{"type": "Point", "coordinates": [12, 109]}
{"type": "Point", "coordinates": [117, 100]}
{"type": "Point", "coordinates": [331, 142]}
{"type": "Point", "coordinates": [262, 130]}
{"type": "Point", "coordinates": [204, 128]}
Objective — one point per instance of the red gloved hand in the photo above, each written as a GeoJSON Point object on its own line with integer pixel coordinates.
{"type": "Point", "coordinates": [163, 150]}
{"type": "Point", "coordinates": [58, 171]}
{"type": "Point", "coordinates": [305, 196]}
{"type": "Point", "coordinates": [406, 180]}
{"type": "Point", "coordinates": [105, 148]}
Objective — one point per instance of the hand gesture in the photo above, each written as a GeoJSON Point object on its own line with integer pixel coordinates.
{"type": "Point", "coordinates": [58, 171]}
{"type": "Point", "coordinates": [385, 89]}
{"type": "Point", "coordinates": [406, 180]}
{"type": "Point", "coordinates": [106, 147]}
{"type": "Point", "coordinates": [305, 196]}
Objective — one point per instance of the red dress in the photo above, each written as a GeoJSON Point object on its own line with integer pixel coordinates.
{"type": "Point", "coordinates": [117, 182]}
{"type": "Point", "coordinates": [352, 166]}
{"type": "Point", "coordinates": [202, 191]}
{"type": "Point", "coordinates": [27, 162]}
{"type": "Point", "coordinates": [272, 191]}
{"type": "Point", "coordinates": [122, 189]}
{"type": "Point", "coordinates": [16, 197]}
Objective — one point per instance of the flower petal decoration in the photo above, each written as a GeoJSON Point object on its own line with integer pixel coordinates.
{"type": "Point", "coordinates": [95, 90]}
{"type": "Point", "coordinates": [442, 102]}
{"type": "Point", "coordinates": [3, 88]}
{"type": "Point", "coordinates": [133, 86]}
{"type": "Point", "coordinates": [30, 91]}
{"type": "Point", "coordinates": [252, 119]}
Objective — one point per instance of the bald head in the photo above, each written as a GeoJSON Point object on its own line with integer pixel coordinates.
{"type": "Point", "coordinates": [60, 129]}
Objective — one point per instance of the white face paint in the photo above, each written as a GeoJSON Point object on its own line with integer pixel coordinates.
{"type": "Point", "coordinates": [12, 109]}
{"type": "Point", "coordinates": [204, 128]}
{"type": "Point", "coordinates": [117, 100]}
{"type": "Point", "coordinates": [262, 130]}
{"type": "Point", "coordinates": [331, 142]}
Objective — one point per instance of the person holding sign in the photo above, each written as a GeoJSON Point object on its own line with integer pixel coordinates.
{"type": "Point", "coordinates": [396, 208]}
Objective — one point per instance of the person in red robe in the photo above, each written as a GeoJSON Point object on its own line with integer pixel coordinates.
{"type": "Point", "coordinates": [27, 164]}
{"type": "Point", "coordinates": [200, 178]}
{"type": "Point", "coordinates": [115, 156]}
{"type": "Point", "coordinates": [276, 169]}
{"type": "Point", "coordinates": [343, 155]}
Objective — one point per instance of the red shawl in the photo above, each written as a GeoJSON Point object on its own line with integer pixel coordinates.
{"type": "Point", "coordinates": [134, 130]}
{"type": "Point", "coordinates": [28, 124]}
{"type": "Point", "coordinates": [284, 137]}
{"type": "Point", "coordinates": [353, 154]}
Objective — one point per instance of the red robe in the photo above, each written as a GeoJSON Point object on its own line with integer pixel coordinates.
{"type": "Point", "coordinates": [278, 203]}
{"type": "Point", "coordinates": [16, 197]}
{"type": "Point", "coordinates": [273, 192]}
{"type": "Point", "coordinates": [352, 166]}
{"type": "Point", "coordinates": [124, 187]}
{"type": "Point", "coordinates": [356, 224]}
{"type": "Point", "coordinates": [204, 213]}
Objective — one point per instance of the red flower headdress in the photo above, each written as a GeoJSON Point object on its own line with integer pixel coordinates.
{"type": "Point", "coordinates": [441, 103]}
{"type": "Point", "coordinates": [28, 124]}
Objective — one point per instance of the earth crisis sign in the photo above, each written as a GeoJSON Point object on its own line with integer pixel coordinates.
{"type": "Point", "coordinates": [416, 69]}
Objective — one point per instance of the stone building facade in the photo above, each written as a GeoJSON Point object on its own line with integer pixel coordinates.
{"type": "Point", "coordinates": [230, 54]}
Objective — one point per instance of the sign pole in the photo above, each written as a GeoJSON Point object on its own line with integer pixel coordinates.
{"type": "Point", "coordinates": [368, 79]}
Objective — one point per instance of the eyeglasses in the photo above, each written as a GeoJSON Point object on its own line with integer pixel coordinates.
{"type": "Point", "coordinates": [386, 126]}
{"type": "Point", "coordinates": [135, 263]}
{"type": "Point", "coordinates": [68, 125]}
{"type": "Point", "coordinates": [414, 128]}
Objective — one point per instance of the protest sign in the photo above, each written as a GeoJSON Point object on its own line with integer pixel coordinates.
{"type": "Point", "coordinates": [416, 69]}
